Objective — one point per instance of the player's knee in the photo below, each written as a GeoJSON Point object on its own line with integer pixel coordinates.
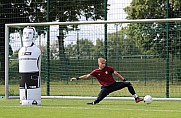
{"type": "Point", "coordinates": [127, 83]}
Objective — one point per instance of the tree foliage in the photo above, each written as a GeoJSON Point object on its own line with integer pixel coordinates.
{"type": "Point", "coordinates": [18, 11]}
{"type": "Point", "coordinates": [83, 48]}
{"type": "Point", "coordinates": [10, 12]}
{"type": "Point", "coordinates": [152, 36]}
{"type": "Point", "coordinates": [120, 43]}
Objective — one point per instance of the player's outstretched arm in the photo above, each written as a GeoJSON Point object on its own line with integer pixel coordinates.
{"type": "Point", "coordinates": [81, 77]}
{"type": "Point", "coordinates": [119, 76]}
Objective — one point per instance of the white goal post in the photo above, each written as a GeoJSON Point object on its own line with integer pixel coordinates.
{"type": "Point", "coordinates": [7, 26]}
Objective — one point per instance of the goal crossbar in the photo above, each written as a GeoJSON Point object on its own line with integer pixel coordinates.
{"type": "Point", "coordinates": [95, 22]}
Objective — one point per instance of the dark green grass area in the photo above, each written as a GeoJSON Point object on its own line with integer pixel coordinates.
{"type": "Point", "coordinates": [71, 108]}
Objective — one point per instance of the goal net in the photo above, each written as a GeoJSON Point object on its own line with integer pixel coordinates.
{"type": "Point", "coordinates": [146, 52]}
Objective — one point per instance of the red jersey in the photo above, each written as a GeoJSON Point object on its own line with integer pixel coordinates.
{"type": "Point", "coordinates": [104, 76]}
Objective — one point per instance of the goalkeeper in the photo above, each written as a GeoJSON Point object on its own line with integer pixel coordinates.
{"type": "Point", "coordinates": [104, 75]}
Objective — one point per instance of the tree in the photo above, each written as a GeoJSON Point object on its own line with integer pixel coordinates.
{"type": "Point", "coordinates": [40, 11]}
{"type": "Point", "coordinates": [63, 11]}
{"type": "Point", "coordinates": [99, 48]}
{"type": "Point", "coordinates": [10, 12]}
{"type": "Point", "coordinates": [85, 48]}
{"type": "Point", "coordinates": [122, 43]}
{"type": "Point", "coordinates": [71, 50]}
{"type": "Point", "coordinates": [71, 10]}
{"type": "Point", "coordinates": [152, 37]}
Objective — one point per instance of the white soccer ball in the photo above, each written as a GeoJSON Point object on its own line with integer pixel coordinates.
{"type": "Point", "coordinates": [148, 99]}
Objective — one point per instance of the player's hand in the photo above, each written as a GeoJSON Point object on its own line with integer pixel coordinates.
{"type": "Point", "coordinates": [73, 79]}
{"type": "Point", "coordinates": [125, 81]}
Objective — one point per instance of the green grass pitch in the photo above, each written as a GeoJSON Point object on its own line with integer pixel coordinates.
{"type": "Point", "coordinates": [75, 108]}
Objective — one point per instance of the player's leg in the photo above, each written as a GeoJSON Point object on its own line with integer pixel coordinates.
{"type": "Point", "coordinates": [132, 91]}
{"type": "Point", "coordinates": [107, 90]}
{"type": "Point", "coordinates": [103, 93]}
{"type": "Point", "coordinates": [130, 87]}
{"type": "Point", "coordinates": [119, 85]}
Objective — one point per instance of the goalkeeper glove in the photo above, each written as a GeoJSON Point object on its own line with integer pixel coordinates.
{"type": "Point", "coordinates": [72, 79]}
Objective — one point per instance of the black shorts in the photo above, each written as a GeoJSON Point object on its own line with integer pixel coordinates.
{"type": "Point", "coordinates": [30, 79]}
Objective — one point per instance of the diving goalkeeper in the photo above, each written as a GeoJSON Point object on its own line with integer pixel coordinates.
{"type": "Point", "coordinates": [104, 75]}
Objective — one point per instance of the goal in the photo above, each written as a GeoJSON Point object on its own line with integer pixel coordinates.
{"type": "Point", "coordinates": [145, 51]}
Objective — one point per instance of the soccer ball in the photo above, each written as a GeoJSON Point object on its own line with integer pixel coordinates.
{"type": "Point", "coordinates": [148, 99]}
